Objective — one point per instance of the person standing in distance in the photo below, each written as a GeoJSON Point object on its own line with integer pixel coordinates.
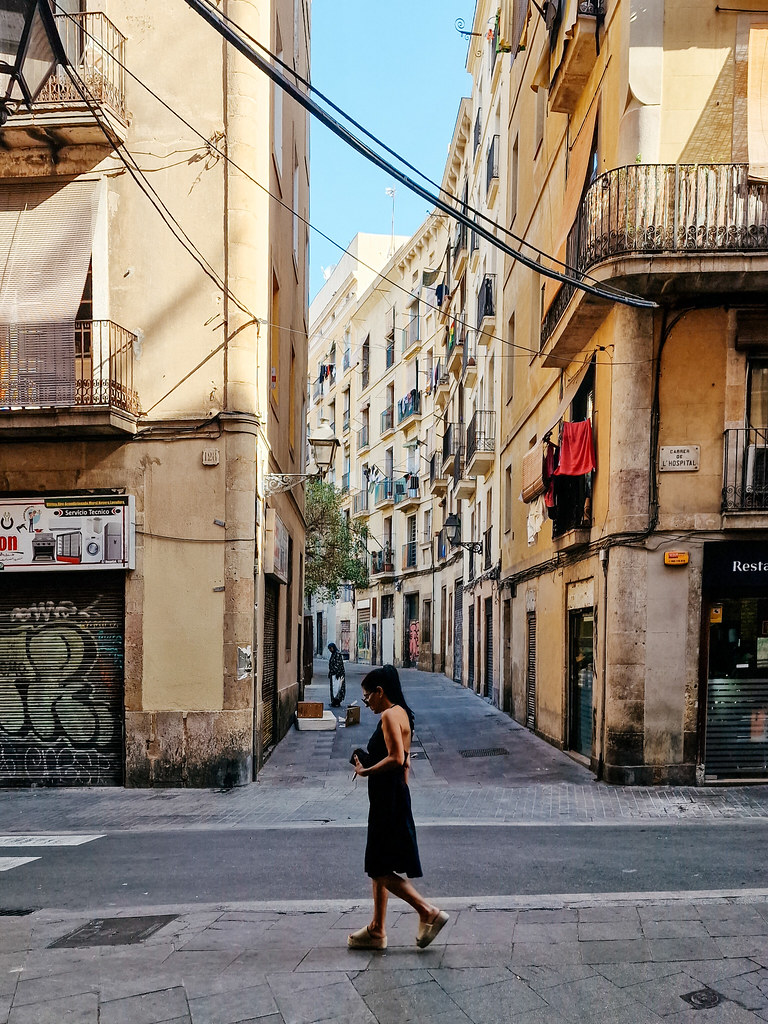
{"type": "Point", "coordinates": [391, 849]}
{"type": "Point", "coordinates": [336, 676]}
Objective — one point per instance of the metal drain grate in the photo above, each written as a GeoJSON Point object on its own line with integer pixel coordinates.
{"type": "Point", "coordinates": [703, 999]}
{"type": "Point", "coordinates": [485, 752]}
{"type": "Point", "coordinates": [113, 931]}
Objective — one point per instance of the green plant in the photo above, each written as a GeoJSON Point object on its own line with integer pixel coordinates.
{"type": "Point", "coordinates": [336, 548]}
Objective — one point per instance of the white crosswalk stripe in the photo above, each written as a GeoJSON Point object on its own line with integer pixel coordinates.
{"type": "Point", "coordinates": [12, 841]}
{"type": "Point", "coordinates": [7, 863]}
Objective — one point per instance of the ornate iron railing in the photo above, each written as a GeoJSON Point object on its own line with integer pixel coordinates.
{"type": "Point", "coordinates": [663, 208]}
{"type": "Point", "coordinates": [481, 433]}
{"type": "Point", "coordinates": [436, 468]}
{"type": "Point", "coordinates": [96, 50]}
{"type": "Point", "coordinates": [458, 464]}
{"type": "Point", "coordinates": [745, 470]}
{"type": "Point", "coordinates": [87, 364]}
{"type": "Point", "coordinates": [450, 441]}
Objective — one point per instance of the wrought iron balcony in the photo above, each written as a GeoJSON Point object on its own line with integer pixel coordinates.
{"type": "Point", "coordinates": [407, 492]}
{"type": "Point", "coordinates": [459, 250]}
{"type": "Point", "coordinates": [79, 372]}
{"type": "Point", "coordinates": [451, 444]}
{"type": "Point", "coordinates": [664, 209]}
{"type": "Point", "coordinates": [481, 441]}
{"type": "Point", "coordinates": [360, 503]}
{"type": "Point", "coordinates": [411, 333]}
{"type": "Point", "coordinates": [409, 406]}
{"type": "Point", "coordinates": [437, 479]}
{"type": "Point", "coordinates": [468, 362]}
{"type": "Point", "coordinates": [492, 167]}
{"type": "Point", "coordinates": [345, 483]}
{"type": "Point", "coordinates": [383, 492]}
{"type": "Point", "coordinates": [382, 561]}
{"type": "Point", "coordinates": [745, 470]}
{"type": "Point", "coordinates": [362, 437]}
{"type": "Point", "coordinates": [388, 419]}
{"type": "Point", "coordinates": [486, 300]}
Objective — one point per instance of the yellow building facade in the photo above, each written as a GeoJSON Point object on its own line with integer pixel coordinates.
{"type": "Point", "coordinates": [150, 615]}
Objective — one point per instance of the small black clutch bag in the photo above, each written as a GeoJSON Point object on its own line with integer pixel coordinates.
{"type": "Point", "coordinates": [362, 755]}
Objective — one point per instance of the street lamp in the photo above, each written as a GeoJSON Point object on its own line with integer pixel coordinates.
{"type": "Point", "coordinates": [323, 444]}
{"type": "Point", "coordinates": [30, 49]}
{"type": "Point", "coordinates": [453, 533]}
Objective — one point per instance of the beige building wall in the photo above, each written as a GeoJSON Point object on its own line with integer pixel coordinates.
{"type": "Point", "coordinates": [201, 359]}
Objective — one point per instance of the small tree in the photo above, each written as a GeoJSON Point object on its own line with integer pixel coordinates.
{"type": "Point", "coordinates": [336, 551]}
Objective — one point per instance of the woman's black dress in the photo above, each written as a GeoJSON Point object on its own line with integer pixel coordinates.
{"type": "Point", "coordinates": [391, 846]}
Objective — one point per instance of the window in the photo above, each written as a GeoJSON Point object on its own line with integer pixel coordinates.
{"type": "Point", "coordinates": [509, 362]}
{"type": "Point", "coordinates": [428, 526]}
{"type": "Point", "coordinates": [277, 112]}
{"type": "Point", "coordinates": [513, 172]}
{"type": "Point", "coordinates": [292, 402]}
{"type": "Point", "coordinates": [295, 209]}
{"type": "Point", "coordinates": [541, 116]}
{"type": "Point", "coordinates": [274, 341]}
{"type": "Point", "coordinates": [289, 614]}
{"type": "Point", "coordinates": [426, 622]}
{"type": "Point", "coordinates": [757, 411]}
{"type": "Point", "coordinates": [508, 499]}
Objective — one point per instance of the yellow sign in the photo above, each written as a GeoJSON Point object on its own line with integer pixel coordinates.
{"type": "Point", "coordinates": [716, 614]}
{"type": "Point", "coordinates": [675, 558]}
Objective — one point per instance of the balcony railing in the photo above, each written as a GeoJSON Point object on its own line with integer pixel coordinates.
{"type": "Point", "coordinates": [390, 351]}
{"type": "Point", "coordinates": [478, 131]}
{"type": "Point", "coordinates": [360, 502]}
{"type": "Point", "coordinates": [411, 332]}
{"type": "Point", "coordinates": [409, 406]}
{"type": "Point", "coordinates": [458, 464]}
{"type": "Point", "coordinates": [409, 555]}
{"type": "Point", "coordinates": [362, 437]}
{"type": "Point", "coordinates": [384, 491]}
{"type": "Point", "coordinates": [346, 360]}
{"type": "Point", "coordinates": [664, 208]}
{"type": "Point", "coordinates": [474, 242]}
{"type": "Point", "coordinates": [345, 422]}
{"type": "Point", "coordinates": [388, 419]}
{"type": "Point", "coordinates": [44, 366]}
{"type": "Point", "coordinates": [406, 488]}
{"type": "Point", "coordinates": [382, 561]}
{"type": "Point", "coordinates": [745, 470]}
{"type": "Point", "coordinates": [486, 299]}
{"type": "Point", "coordinates": [435, 468]}
{"type": "Point", "coordinates": [96, 50]}
{"type": "Point", "coordinates": [345, 483]}
{"type": "Point", "coordinates": [459, 240]}
{"type": "Point", "coordinates": [481, 433]}
{"type": "Point", "coordinates": [492, 164]}
{"type": "Point", "coordinates": [592, 7]}
{"type": "Point", "coordinates": [451, 441]}
{"type": "Point", "coordinates": [468, 356]}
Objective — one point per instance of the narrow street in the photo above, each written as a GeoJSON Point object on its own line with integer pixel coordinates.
{"type": "Point", "coordinates": [568, 898]}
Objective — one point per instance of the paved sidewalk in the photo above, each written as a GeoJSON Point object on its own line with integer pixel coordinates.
{"type": "Point", "coordinates": [308, 783]}
{"type": "Point", "coordinates": [536, 960]}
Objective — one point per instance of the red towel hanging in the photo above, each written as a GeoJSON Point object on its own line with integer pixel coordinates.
{"type": "Point", "coordinates": [577, 450]}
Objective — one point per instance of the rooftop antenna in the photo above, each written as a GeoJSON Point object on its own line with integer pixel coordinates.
{"type": "Point", "coordinates": [392, 192]}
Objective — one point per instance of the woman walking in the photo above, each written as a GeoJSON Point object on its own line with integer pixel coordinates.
{"type": "Point", "coordinates": [336, 678]}
{"type": "Point", "coordinates": [391, 850]}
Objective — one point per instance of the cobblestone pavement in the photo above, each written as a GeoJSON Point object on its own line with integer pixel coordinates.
{"type": "Point", "coordinates": [629, 960]}
{"type": "Point", "coordinates": [307, 782]}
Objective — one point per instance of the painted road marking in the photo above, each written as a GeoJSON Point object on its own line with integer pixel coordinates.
{"type": "Point", "coordinates": [59, 840]}
{"type": "Point", "coordinates": [8, 863]}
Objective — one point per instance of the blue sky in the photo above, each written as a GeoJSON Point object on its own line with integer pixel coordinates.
{"type": "Point", "coordinates": [397, 68]}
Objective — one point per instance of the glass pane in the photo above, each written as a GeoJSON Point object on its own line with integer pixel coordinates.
{"type": "Point", "coordinates": [758, 395]}
{"type": "Point", "coordinates": [39, 60]}
{"type": "Point", "coordinates": [581, 680]}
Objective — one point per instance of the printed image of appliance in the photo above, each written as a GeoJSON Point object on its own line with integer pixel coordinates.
{"type": "Point", "coordinates": [113, 542]}
{"type": "Point", "coordinates": [43, 547]}
{"type": "Point", "coordinates": [69, 547]}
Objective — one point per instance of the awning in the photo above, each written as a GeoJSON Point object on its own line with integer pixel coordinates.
{"type": "Point", "coordinates": [46, 240]}
{"type": "Point", "coordinates": [574, 190]}
{"type": "Point", "coordinates": [757, 103]}
{"type": "Point", "coordinates": [568, 395]}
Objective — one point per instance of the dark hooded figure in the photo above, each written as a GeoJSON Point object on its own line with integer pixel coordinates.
{"type": "Point", "coordinates": [336, 678]}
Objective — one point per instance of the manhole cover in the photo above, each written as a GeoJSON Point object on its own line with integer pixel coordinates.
{"type": "Point", "coordinates": [485, 752]}
{"type": "Point", "coordinates": [113, 931]}
{"type": "Point", "coordinates": [703, 999]}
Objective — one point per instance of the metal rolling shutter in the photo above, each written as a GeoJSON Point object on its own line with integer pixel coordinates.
{"type": "Point", "coordinates": [471, 646]}
{"type": "Point", "coordinates": [737, 728]}
{"type": "Point", "coordinates": [269, 679]}
{"type": "Point", "coordinates": [458, 631]}
{"type": "Point", "coordinates": [530, 679]}
{"type": "Point", "coordinates": [488, 647]}
{"type": "Point", "coordinates": [62, 679]}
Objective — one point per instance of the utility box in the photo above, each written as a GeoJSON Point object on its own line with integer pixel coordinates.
{"type": "Point", "coordinates": [310, 709]}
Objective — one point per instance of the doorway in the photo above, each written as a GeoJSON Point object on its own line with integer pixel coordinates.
{"type": "Point", "coordinates": [581, 647]}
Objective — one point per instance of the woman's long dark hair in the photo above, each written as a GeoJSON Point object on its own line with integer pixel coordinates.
{"type": "Point", "coordinates": [387, 678]}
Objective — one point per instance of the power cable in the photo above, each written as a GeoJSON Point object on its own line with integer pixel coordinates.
{"type": "Point", "coordinates": [524, 351]}
{"type": "Point", "coordinates": [214, 19]}
{"type": "Point", "coordinates": [401, 159]}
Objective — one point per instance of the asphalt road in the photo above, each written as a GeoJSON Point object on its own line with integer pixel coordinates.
{"type": "Point", "coordinates": [157, 868]}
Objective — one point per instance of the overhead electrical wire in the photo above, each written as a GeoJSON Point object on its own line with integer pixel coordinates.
{"type": "Point", "coordinates": [401, 159]}
{"type": "Point", "coordinates": [214, 19]}
{"type": "Point", "coordinates": [523, 350]}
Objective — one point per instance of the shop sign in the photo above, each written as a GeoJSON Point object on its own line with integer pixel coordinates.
{"type": "Point", "coordinates": [276, 547]}
{"type": "Point", "coordinates": [716, 615]}
{"type": "Point", "coordinates": [676, 558]}
{"type": "Point", "coordinates": [679, 458]}
{"type": "Point", "coordinates": [737, 565]}
{"type": "Point", "coordinates": [67, 533]}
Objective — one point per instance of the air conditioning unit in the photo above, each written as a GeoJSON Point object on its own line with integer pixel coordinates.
{"type": "Point", "coordinates": [757, 474]}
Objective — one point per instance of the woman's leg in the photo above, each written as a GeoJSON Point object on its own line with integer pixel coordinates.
{"type": "Point", "coordinates": [378, 925]}
{"type": "Point", "coordinates": [407, 892]}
